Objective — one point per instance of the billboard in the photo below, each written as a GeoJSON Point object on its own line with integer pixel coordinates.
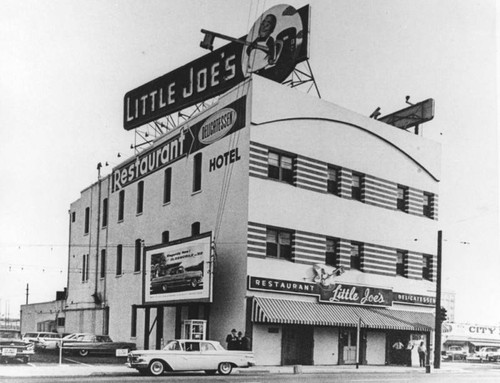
{"type": "Point", "coordinates": [224, 68]}
{"type": "Point", "coordinates": [179, 271]}
{"type": "Point", "coordinates": [411, 116]}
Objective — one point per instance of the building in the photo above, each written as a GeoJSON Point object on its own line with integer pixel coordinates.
{"type": "Point", "coordinates": [320, 223]}
{"type": "Point", "coordinates": [470, 337]}
{"type": "Point", "coordinates": [44, 316]}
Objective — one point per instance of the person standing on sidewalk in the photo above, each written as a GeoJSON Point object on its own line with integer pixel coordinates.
{"type": "Point", "coordinates": [421, 354]}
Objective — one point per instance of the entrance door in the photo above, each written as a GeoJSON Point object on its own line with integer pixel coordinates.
{"type": "Point", "coordinates": [347, 346]}
{"type": "Point", "coordinates": [297, 345]}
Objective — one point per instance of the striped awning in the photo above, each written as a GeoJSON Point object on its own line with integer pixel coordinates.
{"type": "Point", "coordinates": [272, 310]}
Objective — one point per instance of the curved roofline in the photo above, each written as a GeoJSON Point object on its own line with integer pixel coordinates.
{"type": "Point", "coordinates": [354, 126]}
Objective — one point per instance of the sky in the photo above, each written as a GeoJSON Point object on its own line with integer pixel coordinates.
{"type": "Point", "coordinates": [65, 66]}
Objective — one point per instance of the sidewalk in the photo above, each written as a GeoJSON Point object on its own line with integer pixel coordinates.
{"type": "Point", "coordinates": [46, 370]}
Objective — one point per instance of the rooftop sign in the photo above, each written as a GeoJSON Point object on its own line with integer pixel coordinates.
{"type": "Point", "coordinates": [281, 31]}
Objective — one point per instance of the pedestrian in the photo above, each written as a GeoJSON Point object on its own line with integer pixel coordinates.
{"type": "Point", "coordinates": [421, 354]}
{"type": "Point", "coordinates": [246, 343]}
{"type": "Point", "coordinates": [232, 340]}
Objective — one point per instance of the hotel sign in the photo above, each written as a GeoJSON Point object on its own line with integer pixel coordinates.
{"type": "Point", "coordinates": [224, 68]}
{"type": "Point", "coordinates": [336, 293]}
{"type": "Point", "coordinates": [188, 140]}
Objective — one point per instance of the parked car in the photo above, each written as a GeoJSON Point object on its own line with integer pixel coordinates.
{"type": "Point", "coordinates": [177, 277]}
{"type": "Point", "coordinates": [42, 340]}
{"type": "Point", "coordinates": [189, 355]}
{"type": "Point", "coordinates": [85, 344]}
{"type": "Point", "coordinates": [12, 346]}
{"type": "Point", "coordinates": [456, 353]}
{"type": "Point", "coordinates": [489, 353]}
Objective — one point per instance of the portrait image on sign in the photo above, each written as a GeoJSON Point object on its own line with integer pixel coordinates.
{"type": "Point", "coordinates": [273, 43]}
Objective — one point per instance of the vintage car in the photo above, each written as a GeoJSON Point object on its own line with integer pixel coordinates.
{"type": "Point", "coordinates": [489, 354]}
{"type": "Point", "coordinates": [455, 353]}
{"type": "Point", "coordinates": [43, 340]}
{"type": "Point", "coordinates": [177, 277]}
{"type": "Point", "coordinates": [85, 344]}
{"type": "Point", "coordinates": [13, 347]}
{"type": "Point", "coordinates": [189, 355]}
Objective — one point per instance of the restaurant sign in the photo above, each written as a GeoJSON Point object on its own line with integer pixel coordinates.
{"type": "Point", "coordinates": [336, 293]}
{"type": "Point", "coordinates": [188, 140]}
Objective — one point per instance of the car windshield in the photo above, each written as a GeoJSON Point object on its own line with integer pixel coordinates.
{"type": "Point", "coordinates": [10, 334]}
{"type": "Point", "coordinates": [103, 338]}
{"type": "Point", "coordinates": [173, 345]}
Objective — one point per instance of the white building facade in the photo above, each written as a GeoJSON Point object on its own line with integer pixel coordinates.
{"type": "Point", "coordinates": [323, 225]}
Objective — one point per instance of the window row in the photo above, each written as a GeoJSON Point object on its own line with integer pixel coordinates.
{"type": "Point", "coordinates": [281, 243]}
{"type": "Point", "coordinates": [165, 238]}
{"type": "Point", "coordinates": [318, 176]}
{"type": "Point", "coordinates": [139, 206]}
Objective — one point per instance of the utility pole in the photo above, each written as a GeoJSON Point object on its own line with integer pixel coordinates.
{"type": "Point", "coordinates": [437, 337]}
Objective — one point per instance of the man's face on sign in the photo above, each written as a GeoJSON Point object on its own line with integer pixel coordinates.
{"type": "Point", "coordinates": [266, 27]}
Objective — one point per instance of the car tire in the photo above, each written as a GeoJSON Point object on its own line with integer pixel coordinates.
{"type": "Point", "coordinates": [83, 352]}
{"type": "Point", "coordinates": [225, 368]}
{"type": "Point", "coordinates": [210, 372]}
{"type": "Point", "coordinates": [156, 368]}
{"type": "Point", "coordinates": [26, 359]}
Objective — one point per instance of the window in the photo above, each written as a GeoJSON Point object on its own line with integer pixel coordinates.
{"type": "Point", "coordinates": [73, 217]}
{"type": "Point", "coordinates": [133, 322]}
{"type": "Point", "coordinates": [356, 186]}
{"type": "Point", "coordinates": [137, 259]}
{"type": "Point", "coordinates": [427, 205]}
{"type": "Point", "coordinates": [331, 254]}
{"type": "Point", "coordinates": [104, 212]}
{"type": "Point", "coordinates": [87, 221]}
{"type": "Point", "coordinates": [279, 243]}
{"type": "Point", "coordinates": [280, 167]}
{"type": "Point", "coordinates": [167, 185]}
{"type": "Point", "coordinates": [103, 263]}
{"type": "Point", "coordinates": [426, 267]}
{"type": "Point", "coordinates": [85, 267]}
{"type": "Point", "coordinates": [121, 205]}
{"type": "Point", "coordinates": [61, 321]}
{"type": "Point", "coordinates": [401, 197]}
{"type": "Point", "coordinates": [119, 257]}
{"type": "Point", "coordinates": [333, 180]}
{"type": "Point", "coordinates": [195, 228]}
{"type": "Point", "coordinates": [356, 256]}
{"type": "Point", "coordinates": [197, 172]}
{"type": "Point", "coordinates": [140, 197]}
{"type": "Point", "coordinates": [400, 262]}
{"type": "Point", "coordinates": [165, 237]}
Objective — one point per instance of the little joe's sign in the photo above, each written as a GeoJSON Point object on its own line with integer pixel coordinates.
{"type": "Point", "coordinates": [335, 293]}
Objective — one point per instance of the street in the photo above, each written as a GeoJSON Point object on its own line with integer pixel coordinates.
{"type": "Point", "coordinates": [79, 372]}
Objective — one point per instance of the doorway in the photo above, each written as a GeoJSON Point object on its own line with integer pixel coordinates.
{"type": "Point", "coordinates": [297, 345]}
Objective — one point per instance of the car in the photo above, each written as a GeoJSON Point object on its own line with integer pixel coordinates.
{"type": "Point", "coordinates": [13, 347]}
{"type": "Point", "coordinates": [176, 278]}
{"type": "Point", "coordinates": [42, 340]}
{"type": "Point", "coordinates": [84, 344]}
{"type": "Point", "coordinates": [489, 354]}
{"type": "Point", "coordinates": [455, 353]}
{"type": "Point", "coordinates": [189, 355]}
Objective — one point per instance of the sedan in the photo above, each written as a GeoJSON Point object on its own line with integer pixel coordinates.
{"type": "Point", "coordinates": [189, 355]}
{"type": "Point", "coordinates": [83, 344]}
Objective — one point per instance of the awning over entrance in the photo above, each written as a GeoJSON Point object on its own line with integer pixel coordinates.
{"type": "Point", "coordinates": [271, 310]}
